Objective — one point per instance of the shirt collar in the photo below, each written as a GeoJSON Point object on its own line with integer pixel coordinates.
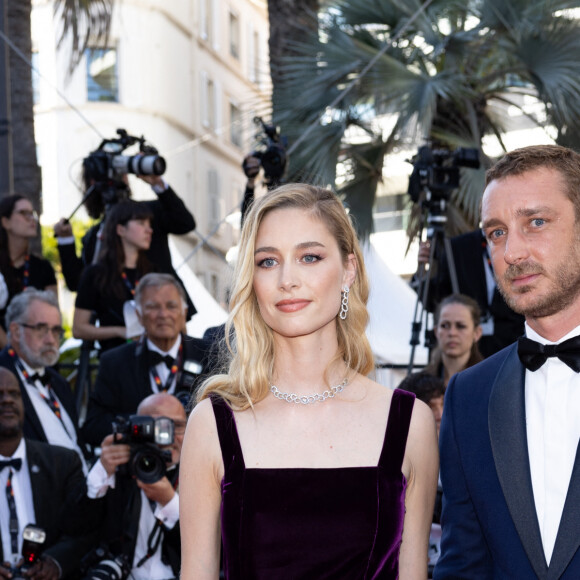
{"type": "Point", "coordinates": [533, 335]}
{"type": "Point", "coordinates": [172, 351]}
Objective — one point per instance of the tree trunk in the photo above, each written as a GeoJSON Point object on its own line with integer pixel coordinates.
{"type": "Point", "coordinates": [289, 19]}
{"type": "Point", "coordinates": [27, 180]}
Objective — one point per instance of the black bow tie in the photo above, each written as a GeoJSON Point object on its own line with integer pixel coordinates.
{"type": "Point", "coordinates": [156, 357]}
{"type": "Point", "coordinates": [14, 463]}
{"type": "Point", "coordinates": [44, 379]}
{"type": "Point", "coordinates": [533, 354]}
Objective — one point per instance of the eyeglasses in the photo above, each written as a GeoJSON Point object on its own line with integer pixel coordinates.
{"type": "Point", "coordinates": [179, 427]}
{"type": "Point", "coordinates": [42, 329]}
{"type": "Point", "coordinates": [27, 213]}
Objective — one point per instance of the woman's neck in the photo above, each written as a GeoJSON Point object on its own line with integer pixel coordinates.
{"type": "Point", "coordinates": [18, 250]}
{"type": "Point", "coordinates": [131, 256]}
{"type": "Point", "coordinates": [452, 365]}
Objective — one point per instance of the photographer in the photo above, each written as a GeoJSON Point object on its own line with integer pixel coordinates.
{"type": "Point", "coordinates": [44, 482]}
{"type": "Point", "coordinates": [106, 184]}
{"type": "Point", "coordinates": [137, 523]}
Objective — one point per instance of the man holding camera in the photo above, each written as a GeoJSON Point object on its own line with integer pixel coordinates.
{"type": "Point", "coordinates": [138, 522]}
{"type": "Point", "coordinates": [163, 360]}
{"type": "Point", "coordinates": [41, 482]}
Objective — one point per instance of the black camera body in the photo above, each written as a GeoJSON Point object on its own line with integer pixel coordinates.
{"type": "Point", "coordinates": [437, 170]}
{"type": "Point", "coordinates": [101, 564]}
{"type": "Point", "coordinates": [144, 435]}
{"type": "Point", "coordinates": [105, 167]}
{"type": "Point", "coordinates": [270, 149]}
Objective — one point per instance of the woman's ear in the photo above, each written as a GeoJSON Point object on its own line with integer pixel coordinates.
{"type": "Point", "coordinates": [350, 268]}
{"type": "Point", "coordinates": [478, 331]}
{"type": "Point", "coordinates": [120, 230]}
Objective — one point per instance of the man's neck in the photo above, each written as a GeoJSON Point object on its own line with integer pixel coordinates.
{"type": "Point", "coordinates": [164, 344]}
{"type": "Point", "coordinates": [554, 327]}
{"type": "Point", "coordinates": [9, 445]}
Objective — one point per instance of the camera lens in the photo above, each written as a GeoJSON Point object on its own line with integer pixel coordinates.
{"type": "Point", "coordinates": [148, 465]}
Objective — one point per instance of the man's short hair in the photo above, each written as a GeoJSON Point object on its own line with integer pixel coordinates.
{"type": "Point", "coordinates": [19, 305]}
{"type": "Point", "coordinates": [561, 159]}
{"type": "Point", "coordinates": [156, 280]}
{"type": "Point", "coordinates": [424, 385]}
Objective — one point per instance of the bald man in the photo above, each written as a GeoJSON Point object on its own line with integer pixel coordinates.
{"type": "Point", "coordinates": [139, 522]}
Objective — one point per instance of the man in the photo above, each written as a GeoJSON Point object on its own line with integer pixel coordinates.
{"type": "Point", "coordinates": [163, 360]}
{"type": "Point", "coordinates": [44, 481]}
{"type": "Point", "coordinates": [34, 332]}
{"type": "Point", "coordinates": [170, 216]}
{"type": "Point", "coordinates": [511, 425]}
{"type": "Point", "coordinates": [138, 522]}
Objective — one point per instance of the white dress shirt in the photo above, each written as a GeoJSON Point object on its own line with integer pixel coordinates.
{"type": "Point", "coordinates": [161, 368]}
{"type": "Point", "coordinates": [23, 501]}
{"type": "Point", "coordinates": [98, 482]}
{"type": "Point", "coordinates": [57, 432]}
{"type": "Point", "coordinates": [552, 401]}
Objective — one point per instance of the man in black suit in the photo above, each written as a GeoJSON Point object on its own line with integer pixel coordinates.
{"type": "Point", "coordinates": [44, 481]}
{"type": "Point", "coordinates": [34, 331]}
{"type": "Point", "coordinates": [501, 325]}
{"type": "Point", "coordinates": [162, 360]}
{"type": "Point", "coordinates": [137, 522]}
{"type": "Point", "coordinates": [510, 467]}
{"type": "Point", "coordinates": [170, 216]}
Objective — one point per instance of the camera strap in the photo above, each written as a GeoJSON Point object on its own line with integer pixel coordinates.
{"type": "Point", "coordinates": [153, 541]}
{"type": "Point", "coordinates": [172, 370]}
{"type": "Point", "coordinates": [13, 522]}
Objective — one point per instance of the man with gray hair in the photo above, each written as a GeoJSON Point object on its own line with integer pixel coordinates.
{"type": "Point", "coordinates": [34, 326]}
{"type": "Point", "coordinates": [163, 360]}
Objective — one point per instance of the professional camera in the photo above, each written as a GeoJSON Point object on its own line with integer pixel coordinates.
{"type": "Point", "coordinates": [144, 435]}
{"type": "Point", "coordinates": [270, 149]}
{"type": "Point", "coordinates": [102, 565]}
{"type": "Point", "coordinates": [438, 170]}
{"type": "Point", "coordinates": [33, 538]}
{"type": "Point", "coordinates": [105, 167]}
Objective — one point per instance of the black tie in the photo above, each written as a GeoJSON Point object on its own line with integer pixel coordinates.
{"type": "Point", "coordinates": [44, 379]}
{"type": "Point", "coordinates": [156, 357]}
{"type": "Point", "coordinates": [14, 463]}
{"type": "Point", "coordinates": [533, 354]}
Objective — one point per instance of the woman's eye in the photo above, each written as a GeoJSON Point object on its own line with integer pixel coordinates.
{"type": "Point", "coordinates": [267, 263]}
{"type": "Point", "coordinates": [311, 258]}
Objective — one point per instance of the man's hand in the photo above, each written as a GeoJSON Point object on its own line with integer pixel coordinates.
{"type": "Point", "coordinates": [45, 569]}
{"type": "Point", "coordinates": [5, 570]}
{"type": "Point", "coordinates": [152, 180]}
{"type": "Point", "coordinates": [424, 251]}
{"type": "Point", "coordinates": [161, 491]}
{"type": "Point", "coordinates": [63, 229]}
{"type": "Point", "coordinates": [251, 167]}
{"type": "Point", "coordinates": [113, 455]}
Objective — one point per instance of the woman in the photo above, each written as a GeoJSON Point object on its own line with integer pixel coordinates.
{"type": "Point", "coordinates": [457, 329]}
{"type": "Point", "coordinates": [106, 286]}
{"type": "Point", "coordinates": [295, 433]}
{"type": "Point", "coordinates": [19, 267]}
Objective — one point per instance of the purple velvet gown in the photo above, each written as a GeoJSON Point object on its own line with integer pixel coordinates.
{"type": "Point", "coordinates": [314, 524]}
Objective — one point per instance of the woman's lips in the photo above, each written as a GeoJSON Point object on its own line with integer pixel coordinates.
{"type": "Point", "coordinates": [292, 305]}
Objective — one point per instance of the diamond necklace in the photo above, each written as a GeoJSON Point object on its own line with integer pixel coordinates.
{"type": "Point", "coordinates": [308, 399]}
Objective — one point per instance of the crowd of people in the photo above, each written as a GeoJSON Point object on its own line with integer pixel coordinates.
{"type": "Point", "coordinates": [265, 449]}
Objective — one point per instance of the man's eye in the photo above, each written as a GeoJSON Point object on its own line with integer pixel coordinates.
{"type": "Point", "coordinates": [537, 222]}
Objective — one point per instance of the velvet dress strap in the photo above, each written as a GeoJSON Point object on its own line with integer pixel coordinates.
{"type": "Point", "coordinates": [228, 436]}
{"type": "Point", "coordinates": [398, 423]}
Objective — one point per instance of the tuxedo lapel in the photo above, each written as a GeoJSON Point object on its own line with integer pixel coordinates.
{"type": "Point", "coordinates": [507, 429]}
{"type": "Point", "coordinates": [143, 383]}
{"type": "Point", "coordinates": [41, 492]}
{"type": "Point", "coordinates": [568, 538]}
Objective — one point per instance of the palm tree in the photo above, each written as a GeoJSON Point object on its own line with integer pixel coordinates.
{"type": "Point", "coordinates": [443, 70]}
{"type": "Point", "coordinates": [80, 20]}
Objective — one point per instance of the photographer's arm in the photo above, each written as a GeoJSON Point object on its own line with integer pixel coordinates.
{"type": "Point", "coordinates": [85, 329]}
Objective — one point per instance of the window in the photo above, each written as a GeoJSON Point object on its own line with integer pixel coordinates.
{"type": "Point", "coordinates": [214, 199]}
{"type": "Point", "coordinates": [234, 35]}
{"type": "Point", "coordinates": [207, 20]}
{"type": "Point", "coordinates": [208, 101]}
{"type": "Point", "coordinates": [255, 62]}
{"type": "Point", "coordinates": [102, 81]}
{"type": "Point", "coordinates": [35, 78]}
{"type": "Point", "coordinates": [235, 125]}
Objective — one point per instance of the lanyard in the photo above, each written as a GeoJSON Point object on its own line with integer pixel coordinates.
{"type": "Point", "coordinates": [172, 372]}
{"type": "Point", "coordinates": [128, 283]}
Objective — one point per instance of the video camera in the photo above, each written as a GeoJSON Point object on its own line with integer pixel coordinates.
{"type": "Point", "coordinates": [437, 170]}
{"type": "Point", "coordinates": [33, 538]}
{"type": "Point", "coordinates": [270, 149]}
{"type": "Point", "coordinates": [105, 167]}
{"type": "Point", "coordinates": [144, 435]}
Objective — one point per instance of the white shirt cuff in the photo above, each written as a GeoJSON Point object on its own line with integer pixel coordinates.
{"type": "Point", "coordinates": [65, 241]}
{"type": "Point", "coordinates": [99, 481]}
{"type": "Point", "coordinates": [169, 513]}
{"type": "Point", "coordinates": [158, 189]}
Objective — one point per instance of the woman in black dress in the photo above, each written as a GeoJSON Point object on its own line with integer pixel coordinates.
{"type": "Point", "coordinates": [19, 267]}
{"type": "Point", "coordinates": [106, 286]}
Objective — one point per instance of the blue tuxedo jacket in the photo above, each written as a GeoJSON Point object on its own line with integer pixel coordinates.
{"type": "Point", "coordinates": [490, 527]}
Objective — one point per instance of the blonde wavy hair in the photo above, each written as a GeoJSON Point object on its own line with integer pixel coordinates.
{"type": "Point", "coordinates": [250, 343]}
